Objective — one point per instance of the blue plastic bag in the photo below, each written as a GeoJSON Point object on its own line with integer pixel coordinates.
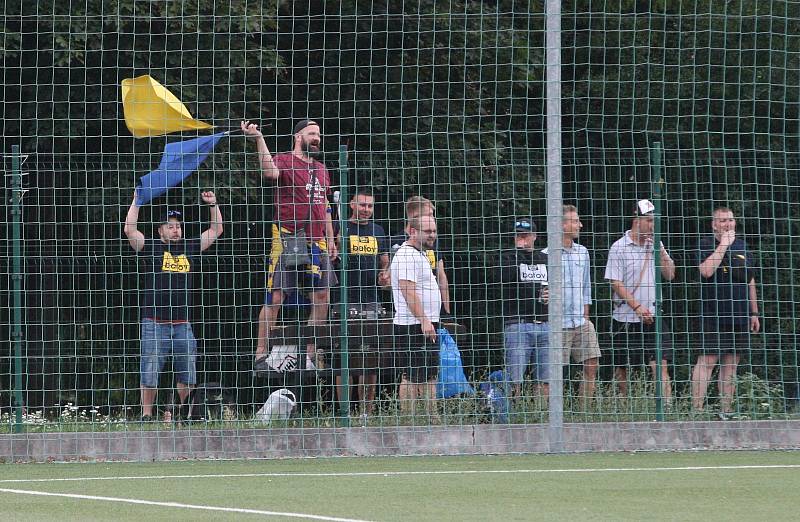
{"type": "Point", "coordinates": [452, 380]}
{"type": "Point", "coordinates": [496, 396]}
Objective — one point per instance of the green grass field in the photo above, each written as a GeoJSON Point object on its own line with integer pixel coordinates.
{"type": "Point", "coordinates": [662, 486]}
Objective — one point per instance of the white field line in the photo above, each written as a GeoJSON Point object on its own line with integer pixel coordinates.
{"type": "Point", "coordinates": [179, 505]}
{"type": "Point", "coordinates": [404, 473]}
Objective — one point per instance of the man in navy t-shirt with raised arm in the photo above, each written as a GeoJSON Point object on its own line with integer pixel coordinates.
{"type": "Point", "coordinates": [730, 308]}
{"type": "Point", "coordinates": [165, 327]}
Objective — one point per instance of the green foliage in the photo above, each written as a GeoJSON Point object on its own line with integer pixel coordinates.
{"type": "Point", "coordinates": [444, 99]}
{"type": "Point", "coordinates": [757, 398]}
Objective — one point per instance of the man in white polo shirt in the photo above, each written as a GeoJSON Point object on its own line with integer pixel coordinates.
{"type": "Point", "coordinates": [631, 272]}
{"type": "Point", "coordinates": [417, 302]}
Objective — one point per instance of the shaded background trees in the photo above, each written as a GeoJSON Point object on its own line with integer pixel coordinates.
{"type": "Point", "coordinates": [443, 99]}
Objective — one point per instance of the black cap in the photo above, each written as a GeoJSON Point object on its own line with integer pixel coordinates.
{"type": "Point", "coordinates": [302, 124]}
{"type": "Point", "coordinates": [524, 225]}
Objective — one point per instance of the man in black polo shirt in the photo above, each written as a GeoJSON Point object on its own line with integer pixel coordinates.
{"type": "Point", "coordinates": [524, 294]}
{"type": "Point", "coordinates": [166, 330]}
{"type": "Point", "coordinates": [367, 268]}
{"type": "Point", "coordinates": [730, 308]}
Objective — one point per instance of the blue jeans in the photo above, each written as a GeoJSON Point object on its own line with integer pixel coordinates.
{"type": "Point", "coordinates": [161, 340]}
{"type": "Point", "coordinates": [526, 343]}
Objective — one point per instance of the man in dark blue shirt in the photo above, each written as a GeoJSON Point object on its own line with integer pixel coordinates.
{"type": "Point", "coordinates": [730, 308]}
{"type": "Point", "coordinates": [166, 331]}
{"type": "Point", "coordinates": [367, 269]}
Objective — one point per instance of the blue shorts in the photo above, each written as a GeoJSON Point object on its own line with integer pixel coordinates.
{"type": "Point", "coordinates": [527, 344]}
{"type": "Point", "coordinates": [161, 340]}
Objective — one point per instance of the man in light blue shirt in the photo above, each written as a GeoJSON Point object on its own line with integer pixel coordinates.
{"type": "Point", "coordinates": [580, 336]}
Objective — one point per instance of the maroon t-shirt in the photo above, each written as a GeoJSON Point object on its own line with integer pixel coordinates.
{"type": "Point", "coordinates": [292, 195]}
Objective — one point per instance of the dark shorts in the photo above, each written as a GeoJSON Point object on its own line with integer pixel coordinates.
{"type": "Point", "coordinates": [416, 356]}
{"type": "Point", "coordinates": [718, 340]}
{"type": "Point", "coordinates": [634, 344]}
{"type": "Point", "coordinates": [361, 360]}
{"type": "Point", "coordinates": [281, 277]}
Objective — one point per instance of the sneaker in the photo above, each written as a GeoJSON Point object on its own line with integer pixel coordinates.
{"type": "Point", "coordinates": [146, 418]}
{"type": "Point", "coordinates": [186, 415]}
{"type": "Point", "coordinates": [725, 415]}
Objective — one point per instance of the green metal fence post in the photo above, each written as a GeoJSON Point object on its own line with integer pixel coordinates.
{"type": "Point", "coordinates": [16, 282]}
{"type": "Point", "coordinates": [344, 406]}
{"type": "Point", "coordinates": [657, 180]}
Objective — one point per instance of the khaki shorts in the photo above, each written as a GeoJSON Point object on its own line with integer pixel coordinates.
{"type": "Point", "coordinates": [581, 343]}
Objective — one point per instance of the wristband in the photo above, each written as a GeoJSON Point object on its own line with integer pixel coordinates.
{"type": "Point", "coordinates": [637, 307]}
{"type": "Point", "coordinates": [212, 206]}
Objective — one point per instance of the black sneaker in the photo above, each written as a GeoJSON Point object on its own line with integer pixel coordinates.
{"type": "Point", "coordinates": [183, 417]}
{"type": "Point", "coordinates": [147, 419]}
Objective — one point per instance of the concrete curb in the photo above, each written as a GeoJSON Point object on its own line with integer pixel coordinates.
{"type": "Point", "coordinates": [269, 443]}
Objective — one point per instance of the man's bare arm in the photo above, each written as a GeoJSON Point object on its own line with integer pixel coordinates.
{"type": "Point", "coordinates": [712, 262]}
{"type": "Point", "coordinates": [215, 229]}
{"type": "Point", "coordinates": [626, 295]}
{"type": "Point", "coordinates": [667, 265]}
{"type": "Point", "coordinates": [755, 322]}
{"type": "Point", "coordinates": [268, 168]}
{"type": "Point", "coordinates": [135, 237]}
{"type": "Point", "coordinates": [384, 278]}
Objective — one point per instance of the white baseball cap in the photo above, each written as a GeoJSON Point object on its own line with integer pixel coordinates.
{"type": "Point", "coordinates": [644, 207]}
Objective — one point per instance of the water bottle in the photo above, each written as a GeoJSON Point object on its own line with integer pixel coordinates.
{"type": "Point", "coordinates": [542, 288]}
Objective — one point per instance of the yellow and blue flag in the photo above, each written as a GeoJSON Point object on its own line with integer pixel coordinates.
{"type": "Point", "coordinates": [180, 159]}
{"type": "Point", "coordinates": [151, 110]}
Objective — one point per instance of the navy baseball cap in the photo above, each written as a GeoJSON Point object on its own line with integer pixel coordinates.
{"type": "Point", "coordinates": [524, 225]}
{"type": "Point", "coordinates": [173, 214]}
